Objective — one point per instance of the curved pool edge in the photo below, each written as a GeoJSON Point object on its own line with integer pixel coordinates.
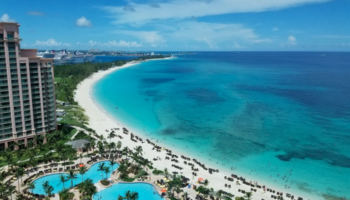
{"type": "Point", "coordinates": [128, 183]}
{"type": "Point", "coordinates": [65, 173]}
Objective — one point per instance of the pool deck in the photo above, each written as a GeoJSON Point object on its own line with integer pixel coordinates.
{"type": "Point", "coordinates": [41, 168]}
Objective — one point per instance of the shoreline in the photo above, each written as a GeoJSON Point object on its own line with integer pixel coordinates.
{"type": "Point", "coordinates": [100, 120]}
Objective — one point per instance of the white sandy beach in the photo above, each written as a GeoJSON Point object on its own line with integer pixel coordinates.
{"type": "Point", "coordinates": [99, 120]}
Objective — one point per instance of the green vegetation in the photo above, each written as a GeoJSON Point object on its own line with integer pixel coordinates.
{"type": "Point", "coordinates": [38, 152]}
{"type": "Point", "coordinates": [129, 196]}
{"type": "Point", "coordinates": [43, 149]}
{"type": "Point", "coordinates": [67, 77]}
{"type": "Point", "coordinates": [83, 135]}
{"type": "Point", "coordinates": [104, 182]}
{"type": "Point", "coordinates": [136, 167]}
{"type": "Point", "coordinates": [74, 115]}
{"type": "Point", "coordinates": [157, 172]}
{"type": "Point", "coordinates": [247, 196]}
{"type": "Point", "coordinates": [87, 189]}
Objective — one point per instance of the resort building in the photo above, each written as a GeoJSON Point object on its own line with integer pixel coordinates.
{"type": "Point", "coordinates": [27, 98]}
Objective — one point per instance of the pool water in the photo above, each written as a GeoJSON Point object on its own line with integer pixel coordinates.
{"type": "Point", "coordinates": [146, 191]}
{"type": "Point", "coordinates": [54, 180]}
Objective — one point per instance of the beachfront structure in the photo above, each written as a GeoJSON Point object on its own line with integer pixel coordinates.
{"type": "Point", "coordinates": [27, 98]}
{"type": "Point", "coordinates": [79, 145]}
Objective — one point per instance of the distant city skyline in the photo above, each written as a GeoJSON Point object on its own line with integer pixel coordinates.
{"type": "Point", "coordinates": [182, 25]}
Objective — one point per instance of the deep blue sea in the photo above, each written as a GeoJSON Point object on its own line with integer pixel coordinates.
{"type": "Point", "coordinates": [112, 58]}
{"type": "Point", "coordinates": [282, 118]}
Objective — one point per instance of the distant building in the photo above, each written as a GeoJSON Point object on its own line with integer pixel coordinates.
{"type": "Point", "coordinates": [27, 98]}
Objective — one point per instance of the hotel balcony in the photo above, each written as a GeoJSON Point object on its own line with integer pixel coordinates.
{"type": "Point", "coordinates": [10, 39]}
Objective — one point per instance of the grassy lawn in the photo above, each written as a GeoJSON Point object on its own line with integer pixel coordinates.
{"type": "Point", "coordinates": [75, 115]}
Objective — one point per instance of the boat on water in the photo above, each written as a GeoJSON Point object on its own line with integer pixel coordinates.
{"type": "Point", "coordinates": [64, 57]}
{"type": "Point", "coordinates": [46, 54]}
{"type": "Point", "coordinates": [81, 58]}
{"type": "Point", "coordinates": [61, 58]}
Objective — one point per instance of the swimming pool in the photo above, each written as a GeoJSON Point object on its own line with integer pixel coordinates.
{"type": "Point", "coordinates": [146, 191]}
{"type": "Point", "coordinates": [54, 179]}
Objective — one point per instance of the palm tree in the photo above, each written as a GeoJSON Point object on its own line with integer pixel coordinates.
{"type": "Point", "coordinates": [138, 150]}
{"type": "Point", "coordinates": [106, 170]}
{"type": "Point", "coordinates": [8, 158]}
{"type": "Point", "coordinates": [88, 146]}
{"type": "Point", "coordinates": [60, 149]}
{"type": "Point", "coordinates": [11, 190]}
{"type": "Point", "coordinates": [125, 151]}
{"type": "Point", "coordinates": [219, 194]}
{"type": "Point", "coordinates": [31, 186]}
{"type": "Point", "coordinates": [47, 188]}
{"type": "Point", "coordinates": [185, 195]}
{"type": "Point", "coordinates": [19, 173]}
{"type": "Point", "coordinates": [82, 171]}
{"type": "Point", "coordinates": [81, 157]}
{"type": "Point", "coordinates": [110, 136]}
{"type": "Point", "coordinates": [248, 195]}
{"type": "Point", "coordinates": [64, 194]}
{"type": "Point", "coordinates": [31, 153]}
{"type": "Point", "coordinates": [112, 145]}
{"type": "Point", "coordinates": [131, 195]}
{"type": "Point", "coordinates": [112, 163]}
{"type": "Point", "coordinates": [100, 147]}
{"type": "Point", "coordinates": [178, 190]}
{"type": "Point", "coordinates": [71, 176]}
{"type": "Point", "coordinates": [120, 197]}
{"type": "Point", "coordinates": [93, 144]}
{"type": "Point", "coordinates": [63, 180]}
{"type": "Point", "coordinates": [166, 172]}
{"type": "Point", "coordinates": [119, 145]}
{"type": "Point", "coordinates": [101, 168]}
{"type": "Point", "coordinates": [206, 182]}
{"type": "Point", "coordinates": [87, 188]}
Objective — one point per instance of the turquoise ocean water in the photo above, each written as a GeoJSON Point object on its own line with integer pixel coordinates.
{"type": "Point", "coordinates": [278, 117]}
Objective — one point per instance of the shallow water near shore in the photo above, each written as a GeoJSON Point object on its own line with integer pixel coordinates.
{"type": "Point", "coordinates": [283, 118]}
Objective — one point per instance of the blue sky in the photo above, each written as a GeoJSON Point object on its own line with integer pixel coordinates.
{"type": "Point", "coordinates": [182, 25]}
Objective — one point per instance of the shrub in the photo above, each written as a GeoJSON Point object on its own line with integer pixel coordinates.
{"type": "Point", "coordinates": [157, 172]}
{"type": "Point", "coordinates": [67, 163]}
{"type": "Point", "coordinates": [105, 182]}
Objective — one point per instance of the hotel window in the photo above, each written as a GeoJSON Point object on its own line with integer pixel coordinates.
{"type": "Point", "coordinates": [9, 35]}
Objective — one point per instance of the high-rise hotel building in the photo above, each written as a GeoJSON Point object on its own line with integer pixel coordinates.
{"type": "Point", "coordinates": [27, 98]}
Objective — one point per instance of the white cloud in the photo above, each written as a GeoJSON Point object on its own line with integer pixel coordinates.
{"type": "Point", "coordinates": [275, 29]}
{"type": "Point", "coordinates": [184, 9]}
{"type": "Point", "coordinates": [152, 38]}
{"type": "Point", "coordinates": [211, 44]}
{"type": "Point", "coordinates": [113, 43]}
{"type": "Point", "coordinates": [82, 21]}
{"type": "Point", "coordinates": [214, 33]}
{"type": "Point", "coordinates": [6, 18]}
{"type": "Point", "coordinates": [292, 40]}
{"type": "Point", "coordinates": [92, 43]}
{"type": "Point", "coordinates": [129, 9]}
{"type": "Point", "coordinates": [237, 46]}
{"type": "Point", "coordinates": [50, 43]}
{"type": "Point", "coordinates": [35, 13]}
